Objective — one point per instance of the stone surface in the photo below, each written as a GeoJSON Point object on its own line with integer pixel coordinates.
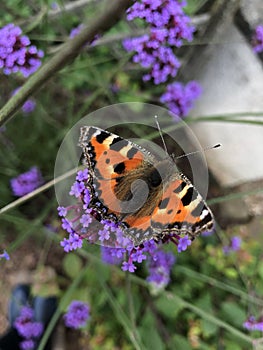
{"type": "Point", "coordinates": [252, 11]}
{"type": "Point", "coordinates": [232, 79]}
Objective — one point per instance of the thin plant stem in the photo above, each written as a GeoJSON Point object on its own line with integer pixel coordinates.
{"type": "Point", "coordinates": [66, 54]}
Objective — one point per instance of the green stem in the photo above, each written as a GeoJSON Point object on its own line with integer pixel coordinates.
{"type": "Point", "coordinates": [66, 54]}
{"type": "Point", "coordinates": [209, 317]}
{"type": "Point", "coordinates": [34, 193]}
{"type": "Point", "coordinates": [57, 314]}
{"type": "Point", "coordinates": [221, 285]}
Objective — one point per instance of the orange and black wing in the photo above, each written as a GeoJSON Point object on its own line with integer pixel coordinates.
{"type": "Point", "coordinates": [116, 166]}
{"type": "Point", "coordinates": [181, 209]}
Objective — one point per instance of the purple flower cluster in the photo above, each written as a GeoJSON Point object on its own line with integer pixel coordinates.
{"type": "Point", "coordinates": [234, 245]}
{"type": "Point", "coordinates": [151, 54]}
{"type": "Point", "coordinates": [26, 182]}
{"type": "Point", "coordinates": [257, 40]}
{"type": "Point", "coordinates": [16, 52]}
{"type": "Point", "coordinates": [82, 221]}
{"type": "Point", "coordinates": [252, 324]}
{"type": "Point", "coordinates": [169, 26]}
{"type": "Point", "coordinates": [160, 264]}
{"type": "Point", "coordinates": [27, 328]}
{"type": "Point", "coordinates": [179, 98]}
{"type": "Point", "coordinates": [5, 255]}
{"type": "Point", "coordinates": [77, 315]}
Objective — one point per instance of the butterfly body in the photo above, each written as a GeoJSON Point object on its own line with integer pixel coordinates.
{"type": "Point", "coordinates": [147, 197]}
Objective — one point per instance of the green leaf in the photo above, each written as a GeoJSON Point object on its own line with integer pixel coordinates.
{"type": "Point", "coordinates": [180, 343]}
{"type": "Point", "coordinates": [149, 332]}
{"type": "Point", "coordinates": [167, 307]}
{"type": "Point", "coordinates": [208, 328]}
{"type": "Point", "coordinates": [233, 313]}
{"type": "Point", "coordinates": [204, 302]}
{"type": "Point", "coordinates": [231, 272]}
{"type": "Point", "coordinates": [72, 265]}
{"type": "Point", "coordinates": [232, 345]}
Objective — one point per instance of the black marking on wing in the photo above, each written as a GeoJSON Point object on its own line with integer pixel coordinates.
{"type": "Point", "coordinates": [103, 135]}
{"type": "Point", "coordinates": [163, 203]}
{"type": "Point", "coordinates": [191, 195]}
{"type": "Point", "coordinates": [180, 187]}
{"type": "Point", "coordinates": [118, 143]}
{"type": "Point", "coordinates": [131, 153]}
{"type": "Point", "coordinates": [119, 168]}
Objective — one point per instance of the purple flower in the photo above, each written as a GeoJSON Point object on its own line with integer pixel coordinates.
{"type": "Point", "coordinates": [28, 106]}
{"type": "Point", "coordinates": [85, 220]}
{"type": "Point", "coordinates": [72, 243]}
{"type": "Point", "coordinates": [16, 53]}
{"type": "Point", "coordinates": [75, 31]}
{"type": "Point", "coordinates": [27, 328]}
{"type": "Point", "coordinates": [150, 54]}
{"type": "Point", "coordinates": [67, 225]}
{"type": "Point", "coordinates": [26, 182]}
{"type": "Point", "coordinates": [77, 315]}
{"type": "Point", "coordinates": [112, 256]}
{"type": "Point", "coordinates": [179, 98]}
{"type": "Point", "coordinates": [160, 265]}
{"type": "Point", "coordinates": [82, 175]}
{"type": "Point", "coordinates": [5, 255]}
{"type": "Point", "coordinates": [234, 245]}
{"type": "Point", "coordinates": [252, 324]}
{"type": "Point", "coordinates": [27, 344]}
{"type": "Point", "coordinates": [62, 211]}
{"type": "Point", "coordinates": [138, 255]}
{"type": "Point", "coordinates": [128, 266]}
{"type": "Point", "coordinates": [54, 6]}
{"type": "Point", "coordinates": [183, 243]}
{"type": "Point", "coordinates": [104, 234]}
{"type": "Point", "coordinates": [257, 40]}
{"type": "Point", "coordinates": [76, 189]}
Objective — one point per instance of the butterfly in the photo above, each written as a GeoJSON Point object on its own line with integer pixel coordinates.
{"type": "Point", "coordinates": [149, 198]}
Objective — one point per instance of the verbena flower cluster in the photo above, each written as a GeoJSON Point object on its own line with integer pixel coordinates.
{"type": "Point", "coordinates": [27, 328]}
{"type": "Point", "coordinates": [159, 266]}
{"type": "Point", "coordinates": [257, 39]}
{"type": "Point", "coordinates": [80, 221]}
{"type": "Point", "coordinates": [16, 52]}
{"type": "Point", "coordinates": [26, 182]}
{"type": "Point", "coordinates": [77, 315]}
{"type": "Point", "coordinates": [253, 324]}
{"type": "Point", "coordinates": [179, 98]}
{"type": "Point", "coordinates": [169, 26]}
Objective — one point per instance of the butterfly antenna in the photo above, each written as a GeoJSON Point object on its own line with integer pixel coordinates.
{"type": "Point", "coordinates": [202, 150]}
{"type": "Point", "coordinates": [161, 134]}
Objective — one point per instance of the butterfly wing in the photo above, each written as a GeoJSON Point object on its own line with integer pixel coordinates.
{"type": "Point", "coordinates": [116, 166]}
{"type": "Point", "coordinates": [181, 209]}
